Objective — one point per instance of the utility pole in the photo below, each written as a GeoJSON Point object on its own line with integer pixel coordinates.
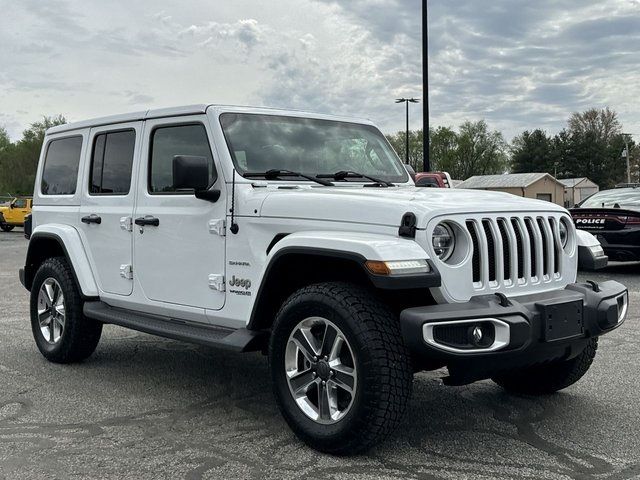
{"type": "Point", "coordinates": [426, 165]}
{"type": "Point", "coordinates": [406, 101]}
{"type": "Point", "coordinates": [626, 154]}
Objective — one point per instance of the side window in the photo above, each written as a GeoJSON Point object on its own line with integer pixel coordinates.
{"type": "Point", "coordinates": [20, 203]}
{"type": "Point", "coordinates": [111, 163]}
{"type": "Point", "coordinates": [60, 172]}
{"type": "Point", "coordinates": [166, 143]}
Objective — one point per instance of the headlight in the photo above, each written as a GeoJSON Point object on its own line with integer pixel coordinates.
{"type": "Point", "coordinates": [443, 241]}
{"type": "Point", "coordinates": [564, 232]}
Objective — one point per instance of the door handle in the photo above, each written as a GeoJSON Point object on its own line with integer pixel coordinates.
{"type": "Point", "coordinates": [147, 220]}
{"type": "Point", "coordinates": [93, 218]}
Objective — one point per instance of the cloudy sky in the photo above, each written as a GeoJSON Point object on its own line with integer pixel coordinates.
{"type": "Point", "coordinates": [518, 64]}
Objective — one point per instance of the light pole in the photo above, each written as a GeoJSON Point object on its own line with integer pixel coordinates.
{"type": "Point", "coordinates": [426, 164]}
{"type": "Point", "coordinates": [406, 101]}
{"type": "Point", "coordinates": [626, 154]}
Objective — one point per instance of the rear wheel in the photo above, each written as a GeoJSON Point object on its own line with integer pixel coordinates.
{"type": "Point", "coordinates": [341, 373]}
{"type": "Point", "coordinates": [61, 331]}
{"type": "Point", "coordinates": [7, 228]}
{"type": "Point", "coordinates": [551, 377]}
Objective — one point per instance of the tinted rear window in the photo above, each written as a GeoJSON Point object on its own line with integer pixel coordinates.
{"type": "Point", "coordinates": [111, 163]}
{"type": "Point", "coordinates": [60, 172]}
{"type": "Point", "coordinates": [622, 198]}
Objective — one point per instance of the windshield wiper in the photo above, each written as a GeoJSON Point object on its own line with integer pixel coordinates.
{"type": "Point", "coordinates": [344, 174]}
{"type": "Point", "coordinates": [275, 173]}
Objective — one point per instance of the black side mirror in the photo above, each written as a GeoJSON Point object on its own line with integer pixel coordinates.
{"type": "Point", "coordinates": [192, 173]}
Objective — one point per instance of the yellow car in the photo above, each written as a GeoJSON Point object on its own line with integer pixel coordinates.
{"type": "Point", "coordinates": [13, 215]}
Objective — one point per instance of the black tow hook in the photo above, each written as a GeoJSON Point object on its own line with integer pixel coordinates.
{"type": "Point", "coordinates": [504, 301]}
{"type": "Point", "coordinates": [594, 285]}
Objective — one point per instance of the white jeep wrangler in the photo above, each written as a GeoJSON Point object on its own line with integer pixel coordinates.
{"type": "Point", "coordinates": [303, 236]}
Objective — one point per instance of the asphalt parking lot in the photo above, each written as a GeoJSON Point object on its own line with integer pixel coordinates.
{"type": "Point", "coordinates": [145, 407]}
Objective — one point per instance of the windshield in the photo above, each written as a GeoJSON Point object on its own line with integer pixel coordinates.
{"type": "Point", "coordinates": [624, 198]}
{"type": "Point", "coordinates": [314, 147]}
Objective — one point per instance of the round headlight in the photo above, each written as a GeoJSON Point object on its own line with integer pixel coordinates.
{"type": "Point", "coordinates": [564, 233]}
{"type": "Point", "coordinates": [443, 241]}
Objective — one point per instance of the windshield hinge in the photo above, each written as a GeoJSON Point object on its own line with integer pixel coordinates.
{"type": "Point", "coordinates": [218, 227]}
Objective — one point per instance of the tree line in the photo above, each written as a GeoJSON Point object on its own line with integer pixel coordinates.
{"type": "Point", "coordinates": [591, 145]}
{"type": "Point", "coordinates": [19, 160]}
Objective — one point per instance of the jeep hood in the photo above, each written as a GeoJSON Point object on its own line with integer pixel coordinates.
{"type": "Point", "coordinates": [385, 206]}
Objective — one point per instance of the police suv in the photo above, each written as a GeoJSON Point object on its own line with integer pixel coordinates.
{"type": "Point", "coordinates": [303, 236]}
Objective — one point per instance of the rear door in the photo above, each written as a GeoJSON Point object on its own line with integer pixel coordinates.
{"type": "Point", "coordinates": [108, 193]}
{"type": "Point", "coordinates": [179, 255]}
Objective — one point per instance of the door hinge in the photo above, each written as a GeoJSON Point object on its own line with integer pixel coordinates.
{"type": "Point", "coordinates": [126, 223]}
{"type": "Point", "coordinates": [216, 282]}
{"type": "Point", "coordinates": [219, 227]}
{"type": "Point", "coordinates": [126, 271]}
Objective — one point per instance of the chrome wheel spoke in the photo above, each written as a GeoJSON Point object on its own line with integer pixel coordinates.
{"type": "Point", "coordinates": [324, 401]}
{"type": "Point", "coordinates": [44, 317]}
{"type": "Point", "coordinates": [344, 378]}
{"type": "Point", "coordinates": [328, 341]}
{"type": "Point", "coordinates": [304, 343]}
{"type": "Point", "coordinates": [300, 382]}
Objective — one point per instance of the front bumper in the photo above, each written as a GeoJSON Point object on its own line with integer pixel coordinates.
{"type": "Point", "coordinates": [514, 333]}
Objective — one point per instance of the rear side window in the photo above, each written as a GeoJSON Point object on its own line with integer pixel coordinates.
{"type": "Point", "coordinates": [111, 163]}
{"type": "Point", "coordinates": [166, 143]}
{"type": "Point", "coordinates": [60, 172]}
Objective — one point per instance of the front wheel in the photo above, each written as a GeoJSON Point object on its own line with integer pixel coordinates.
{"type": "Point", "coordinates": [342, 375]}
{"type": "Point", "coordinates": [6, 228]}
{"type": "Point", "coordinates": [61, 331]}
{"type": "Point", "coordinates": [549, 378]}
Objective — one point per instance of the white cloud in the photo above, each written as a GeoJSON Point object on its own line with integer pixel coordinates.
{"type": "Point", "coordinates": [517, 63]}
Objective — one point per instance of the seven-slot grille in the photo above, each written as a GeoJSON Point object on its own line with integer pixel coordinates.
{"type": "Point", "coordinates": [508, 250]}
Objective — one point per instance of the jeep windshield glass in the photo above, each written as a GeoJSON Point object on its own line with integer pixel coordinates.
{"type": "Point", "coordinates": [624, 198]}
{"type": "Point", "coordinates": [259, 143]}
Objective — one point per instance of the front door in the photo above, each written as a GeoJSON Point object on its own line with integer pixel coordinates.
{"type": "Point", "coordinates": [179, 253]}
{"type": "Point", "coordinates": [108, 194]}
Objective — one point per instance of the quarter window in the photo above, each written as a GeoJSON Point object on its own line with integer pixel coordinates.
{"type": "Point", "coordinates": [60, 172]}
{"type": "Point", "coordinates": [166, 143]}
{"type": "Point", "coordinates": [111, 163]}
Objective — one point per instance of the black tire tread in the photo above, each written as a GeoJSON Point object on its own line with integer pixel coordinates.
{"type": "Point", "coordinates": [549, 378]}
{"type": "Point", "coordinates": [389, 370]}
{"type": "Point", "coordinates": [81, 335]}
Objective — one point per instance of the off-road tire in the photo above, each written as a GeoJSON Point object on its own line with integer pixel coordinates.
{"type": "Point", "coordinates": [7, 228]}
{"type": "Point", "coordinates": [385, 374]}
{"type": "Point", "coordinates": [549, 378]}
{"type": "Point", "coordinates": [81, 335]}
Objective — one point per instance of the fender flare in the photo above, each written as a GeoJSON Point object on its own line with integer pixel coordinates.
{"type": "Point", "coordinates": [69, 241]}
{"type": "Point", "coordinates": [353, 246]}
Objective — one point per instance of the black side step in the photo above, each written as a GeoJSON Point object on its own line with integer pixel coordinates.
{"type": "Point", "coordinates": [239, 340]}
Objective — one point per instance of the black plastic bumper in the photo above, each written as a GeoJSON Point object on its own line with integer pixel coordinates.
{"type": "Point", "coordinates": [588, 261]}
{"type": "Point", "coordinates": [541, 327]}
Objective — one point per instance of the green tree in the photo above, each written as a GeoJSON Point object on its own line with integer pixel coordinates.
{"type": "Point", "coordinates": [19, 161]}
{"type": "Point", "coordinates": [479, 151]}
{"type": "Point", "coordinates": [532, 152]}
{"type": "Point", "coordinates": [443, 149]}
{"type": "Point", "coordinates": [398, 142]}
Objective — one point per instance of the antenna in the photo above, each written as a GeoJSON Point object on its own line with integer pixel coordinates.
{"type": "Point", "coordinates": [234, 226]}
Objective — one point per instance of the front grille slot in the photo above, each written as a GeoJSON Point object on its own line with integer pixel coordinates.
{"type": "Point", "coordinates": [491, 247]}
{"type": "Point", "coordinates": [519, 246]}
{"type": "Point", "coordinates": [514, 251]}
{"type": "Point", "coordinates": [545, 248]}
{"type": "Point", "coordinates": [506, 248]}
{"type": "Point", "coordinates": [471, 227]}
{"type": "Point", "coordinates": [532, 245]}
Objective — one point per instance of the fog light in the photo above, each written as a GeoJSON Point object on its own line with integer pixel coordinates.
{"type": "Point", "coordinates": [477, 335]}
